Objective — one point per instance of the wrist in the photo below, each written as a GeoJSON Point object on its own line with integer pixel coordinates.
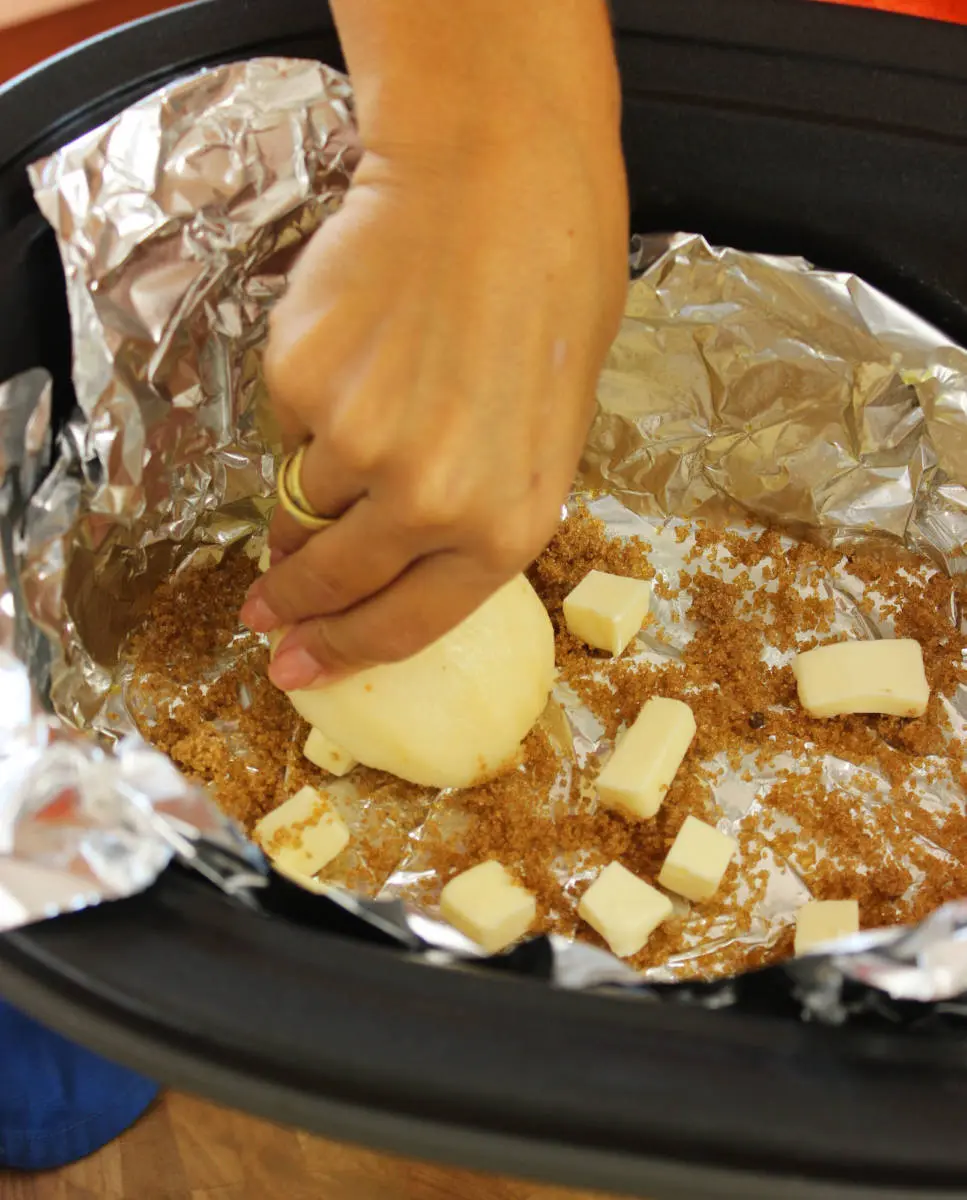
{"type": "Point", "coordinates": [482, 73]}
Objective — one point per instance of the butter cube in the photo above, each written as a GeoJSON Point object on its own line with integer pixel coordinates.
{"type": "Point", "coordinates": [623, 909]}
{"type": "Point", "coordinates": [303, 834]}
{"type": "Point", "coordinates": [606, 611]}
{"type": "Point", "coordinates": [327, 755]}
{"type": "Point", "coordinates": [698, 859]}
{"type": "Point", "coordinates": [822, 921]}
{"type": "Point", "coordinates": [863, 677]}
{"type": "Point", "coordinates": [488, 905]}
{"type": "Point", "coordinates": [265, 559]}
{"type": "Point", "coordinates": [639, 773]}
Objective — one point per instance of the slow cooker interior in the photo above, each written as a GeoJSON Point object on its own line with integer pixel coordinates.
{"type": "Point", "coordinates": [768, 124]}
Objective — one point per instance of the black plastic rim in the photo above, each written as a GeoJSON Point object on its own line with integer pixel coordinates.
{"type": "Point", "coordinates": [326, 1031]}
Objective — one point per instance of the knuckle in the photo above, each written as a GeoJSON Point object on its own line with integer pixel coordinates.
{"type": "Point", "coordinates": [431, 500]}
{"type": "Point", "coordinates": [273, 358]}
{"type": "Point", "coordinates": [507, 546]}
{"type": "Point", "coordinates": [299, 587]}
{"type": "Point", "coordinates": [285, 533]}
{"type": "Point", "coordinates": [281, 371]}
{"type": "Point", "coordinates": [512, 539]}
{"type": "Point", "coordinates": [322, 594]}
{"type": "Point", "coordinates": [321, 638]}
{"type": "Point", "coordinates": [345, 645]}
{"type": "Point", "coordinates": [391, 646]}
{"type": "Point", "coordinates": [357, 445]}
{"type": "Point", "coordinates": [380, 636]}
{"type": "Point", "coordinates": [296, 371]}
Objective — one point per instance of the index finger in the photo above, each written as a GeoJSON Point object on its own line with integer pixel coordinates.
{"type": "Point", "coordinates": [329, 490]}
{"type": "Point", "coordinates": [428, 600]}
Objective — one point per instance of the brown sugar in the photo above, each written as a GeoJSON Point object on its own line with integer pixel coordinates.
{"type": "Point", "coordinates": [202, 696]}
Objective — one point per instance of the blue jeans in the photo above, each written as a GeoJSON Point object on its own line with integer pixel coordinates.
{"type": "Point", "coordinates": [59, 1102]}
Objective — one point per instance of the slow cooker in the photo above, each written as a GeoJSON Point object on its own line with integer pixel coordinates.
{"type": "Point", "coordinates": [775, 125]}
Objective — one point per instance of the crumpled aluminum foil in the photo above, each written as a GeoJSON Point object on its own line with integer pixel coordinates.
{"type": "Point", "coordinates": [738, 383]}
{"type": "Point", "coordinates": [739, 794]}
{"type": "Point", "coordinates": [177, 222]}
{"type": "Point", "coordinates": [804, 398]}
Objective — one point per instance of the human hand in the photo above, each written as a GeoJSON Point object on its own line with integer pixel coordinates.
{"type": "Point", "coordinates": [438, 348]}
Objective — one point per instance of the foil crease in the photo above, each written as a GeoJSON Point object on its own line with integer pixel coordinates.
{"type": "Point", "coordinates": [801, 398]}
{"type": "Point", "coordinates": [79, 825]}
{"type": "Point", "coordinates": [177, 222]}
{"type": "Point", "coordinates": [739, 384]}
{"type": "Point", "coordinates": [25, 446]}
{"type": "Point", "coordinates": [739, 793]}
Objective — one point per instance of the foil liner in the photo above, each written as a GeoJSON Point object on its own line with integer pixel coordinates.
{"type": "Point", "coordinates": [177, 222]}
{"type": "Point", "coordinates": [739, 383]}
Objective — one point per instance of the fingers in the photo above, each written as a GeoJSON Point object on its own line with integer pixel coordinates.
{"type": "Point", "coordinates": [423, 604]}
{"type": "Point", "coordinates": [362, 553]}
{"type": "Point", "coordinates": [322, 324]}
{"type": "Point", "coordinates": [351, 429]}
{"type": "Point", "coordinates": [330, 486]}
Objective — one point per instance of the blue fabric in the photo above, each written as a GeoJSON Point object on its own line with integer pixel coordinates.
{"type": "Point", "coordinates": [59, 1102]}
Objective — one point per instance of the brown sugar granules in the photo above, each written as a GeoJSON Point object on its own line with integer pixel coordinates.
{"type": "Point", "coordinates": [201, 694]}
{"type": "Point", "coordinates": [865, 831]}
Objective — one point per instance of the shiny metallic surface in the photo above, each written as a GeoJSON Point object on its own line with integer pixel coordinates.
{"type": "Point", "coordinates": [739, 385]}
{"type": "Point", "coordinates": [177, 222]}
{"type": "Point", "coordinates": [744, 383]}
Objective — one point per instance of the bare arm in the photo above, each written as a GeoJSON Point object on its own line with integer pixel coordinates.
{"type": "Point", "coordinates": [430, 71]}
{"type": "Point", "coordinates": [442, 335]}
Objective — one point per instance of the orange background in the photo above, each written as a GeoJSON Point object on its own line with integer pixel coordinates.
{"type": "Point", "coordinates": [25, 44]}
{"type": "Point", "coordinates": [940, 10]}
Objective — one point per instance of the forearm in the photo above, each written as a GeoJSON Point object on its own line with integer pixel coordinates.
{"type": "Point", "coordinates": [450, 71]}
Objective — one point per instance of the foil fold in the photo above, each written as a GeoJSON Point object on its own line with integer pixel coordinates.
{"type": "Point", "coordinates": [177, 222]}
{"type": "Point", "coordinates": [79, 824]}
{"type": "Point", "coordinates": [804, 398]}
{"type": "Point", "coordinates": [739, 384]}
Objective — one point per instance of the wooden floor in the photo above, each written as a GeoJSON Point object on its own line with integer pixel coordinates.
{"type": "Point", "coordinates": [186, 1149]}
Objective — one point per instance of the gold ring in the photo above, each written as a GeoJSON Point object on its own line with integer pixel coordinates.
{"type": "Point", "coordinates": [291, 496]}
{"type": "Point", "coordinates": [293, 479]}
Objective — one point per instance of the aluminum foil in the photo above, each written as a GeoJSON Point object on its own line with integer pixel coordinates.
{"type": "Point", "coordinates": [738, 384]}
{"type": "Point", "coordinates": [177, 222]}
{"type": "Point", "coordinates": [803, 398]}
{"type": "Point", "coordinates": [740, 794]}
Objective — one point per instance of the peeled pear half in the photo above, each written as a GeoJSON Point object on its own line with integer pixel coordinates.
{"type": "Point", "coordinates": [456, 713]}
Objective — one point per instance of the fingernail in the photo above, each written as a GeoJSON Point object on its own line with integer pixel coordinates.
{"type": "Point", "coordinates": [294, 668]}
{"type": "Point", "coordinates": [276, 555]}
{"type": "Point", "coordinates": [258, 615]}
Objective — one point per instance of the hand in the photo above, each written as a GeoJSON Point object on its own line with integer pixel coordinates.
{"type": "Point", "coordinates": [439, 348]}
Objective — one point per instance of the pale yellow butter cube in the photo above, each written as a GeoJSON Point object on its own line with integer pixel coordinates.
{"type": "Point", "coordinates": [303, 834]}
{"type": "Point", "coordinates": [606, 611]}
{"type": "Point", "coordinates": [639, 773]}
{"type": "Point", "coordinates": [488, 905]}
{"type": "Point", "coordinates": [326, 754]}
{"type": "Point", "coordinates": [697, 861]}
{"type": "Point", "coordinates": [265, 559]}
{"type": "Point", "coordinates": [623, 909]}
{"type": "Point", "coordinates": [822, 921]}
{"type": "Point", "coordinates": [884, 676]}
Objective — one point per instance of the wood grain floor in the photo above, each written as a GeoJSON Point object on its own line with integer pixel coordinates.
{"type": "Point", "coordinates": [187, 1149]}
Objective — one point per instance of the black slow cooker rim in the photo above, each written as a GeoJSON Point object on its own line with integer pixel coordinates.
{"type": "Point", "coordinates": [364, 1042]}
{"type": "Point", "coordinates": [597, 1090]}
{"type": "Point", "coordinates": [133, 59]}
